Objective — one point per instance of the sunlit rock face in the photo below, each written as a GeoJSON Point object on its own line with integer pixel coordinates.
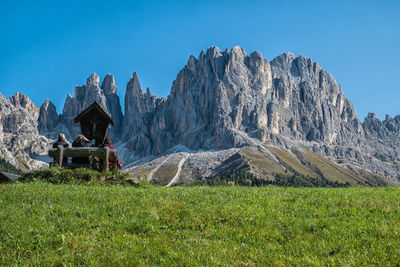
{"type": "Point", "coordinates": [227, 99]}
{"type": "Point", "coordinates": [20, 141]}
{"type": "Point", "coordinates": [20, 100]}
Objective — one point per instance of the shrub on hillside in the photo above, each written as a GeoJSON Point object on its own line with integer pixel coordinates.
{"type": "Point", "coordinates": [244, 178]}
{"type": "Point", "coordinates": [75, 176]}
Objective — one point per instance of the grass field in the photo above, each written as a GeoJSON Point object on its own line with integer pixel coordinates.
{"type": "Point", "coordinates": [45, 224]}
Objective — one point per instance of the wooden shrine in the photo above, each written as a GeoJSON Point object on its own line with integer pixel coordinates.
{"type": "Point", "coordinates": [94, 123]}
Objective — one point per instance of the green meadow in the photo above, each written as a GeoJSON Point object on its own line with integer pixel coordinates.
{"type": "Point", "coordinates": [111, 225]}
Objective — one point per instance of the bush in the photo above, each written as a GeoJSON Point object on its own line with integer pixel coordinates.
{"type": "Point", "coordinates": [57, 175]}
{"type": "Point", "coordinates": [245, 182]}
{"type": "Point", "coordinates": [244, 178]}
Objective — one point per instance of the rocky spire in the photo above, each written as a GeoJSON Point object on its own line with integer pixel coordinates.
{"type": "Point", "coordinates": [113, 104]}
{"type": "Point", "coordinates": [140, 109]}
{"type": "Point", "coordinates": [93, 80]}
{"type": "Point", "coordinates": [93, 92]}
{"type": "Point", "coordinates": [133, 96]}
{"type": "Point", "coordinates": [48, 117]}
{"type": "Point", "coordinates": [108, 85]}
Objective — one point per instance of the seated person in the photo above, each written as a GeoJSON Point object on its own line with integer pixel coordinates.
{"type": "Point", "coordinates": [107, 143]}
{"type": "Point", "coordinates": [62, 141]}
{"type": "Point", "coordinates": [81, 141]}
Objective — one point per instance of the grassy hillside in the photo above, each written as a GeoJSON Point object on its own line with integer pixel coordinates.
{"type": "Point", "coordinates": [46, 224]}
{"type": "Point", "coordinates": [306, 169]}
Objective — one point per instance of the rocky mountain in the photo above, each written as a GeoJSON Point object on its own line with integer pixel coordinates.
{"type": "Point", "coordinates": [20, 142]}
{"type": "Point", "coordinates": [228, 101]}
{"type": "Point", "coordinates": [20, 100]}
{"type": "Point", "coordinates": [222, 99]}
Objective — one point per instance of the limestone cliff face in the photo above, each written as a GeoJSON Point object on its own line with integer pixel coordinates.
{"type": "Point", "coordinates": [20, 142]}
{"type": "Point", "coordinates": [227, 98]}
{"type": "Point", "coordinates": [383, 144]}
{"type": "Point", "coordinates": [308, 104]}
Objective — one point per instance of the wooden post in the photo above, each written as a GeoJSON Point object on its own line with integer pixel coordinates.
{"type": "Point", "coordinates": [60, 155]}
{"type": "Point", "coordinates": [106, 151]}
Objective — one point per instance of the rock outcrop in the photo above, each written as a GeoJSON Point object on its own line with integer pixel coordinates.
{"type": "Point", "coordinates": [382, 145]}
{"type": "Point", "coordinates": [20, 142]}
{"type": "Point", "coordinates": [20, 100]}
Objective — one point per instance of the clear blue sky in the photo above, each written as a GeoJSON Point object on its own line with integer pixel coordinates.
{"type": "Point", "coordinates": [47, 47]}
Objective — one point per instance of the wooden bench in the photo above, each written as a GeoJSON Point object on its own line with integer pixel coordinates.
{"type": "Point", "coordinates": [105, 154]}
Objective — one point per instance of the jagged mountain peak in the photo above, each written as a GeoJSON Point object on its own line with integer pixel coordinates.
{"type": "Point", "coordinates": [213, 50]}
{"type": "Point", "coordinates": [371, 115]}
{"type": "Point", "coordinates": [388, 117]}
{"type": "Point", "coordinates": [238, 51]}
{"type": "Point", "coordinates": [48, 117]}
{"type": "Point", "coordinates": [21, 100]}
{"type": "Point", "coordinates": [286, 57]}
{"type": "Point", "coordinates": [93, 79]}
{"type": "Point", "coordinates": [47, 103]}
{"type": "Point", "coordinates": [108, 84]}
{"type": "Point", "coordinates": [133, 86]}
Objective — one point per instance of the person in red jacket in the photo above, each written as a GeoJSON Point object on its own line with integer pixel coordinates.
{"type": "Point", "coordinates": [107, 143]}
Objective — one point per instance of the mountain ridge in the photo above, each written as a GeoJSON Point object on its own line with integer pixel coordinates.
{"type": "Point", "coordinates": [225, 99]}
